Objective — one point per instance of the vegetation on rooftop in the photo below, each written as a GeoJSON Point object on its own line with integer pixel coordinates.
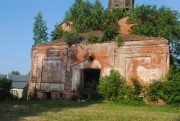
{"type": "Point", "coordinates": [148, 20]}
{"type": "Point", "coordinates": [87, 16]}
{"type": "Point", "coordinates": [158, 22]}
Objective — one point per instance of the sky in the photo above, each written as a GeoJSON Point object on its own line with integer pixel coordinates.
{"type": "Point", "coordinates": [16, 27]}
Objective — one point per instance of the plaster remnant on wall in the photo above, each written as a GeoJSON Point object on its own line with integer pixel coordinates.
{"type": "Point", "coordinates": [106, 71]}
{"type": "Point", "coordinates": [147, 75]}
{"type": "Point", "coordinates": [75, 79]}
{"type": "Point", "coordinates": [51, 86]}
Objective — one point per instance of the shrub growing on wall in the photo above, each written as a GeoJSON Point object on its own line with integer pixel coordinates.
{"type": "Point", "coordinates": [87, 16]}
{"type": "Point", "coordinates": [93, 39]}
{"type": "Point", "coordinates": [73, 38]}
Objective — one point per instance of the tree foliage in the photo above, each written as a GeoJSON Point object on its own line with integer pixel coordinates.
{"type": "Point", "coordinates": [80, 15]}
{"type": "Point", "coordinates": [150, 21]}
{"type": "Point", "coordinates": [72, 38]}
{"type": "Point", "coordinates": [40, 30]}
{"type": "Point", "coordinates": [157, 22]}
{"type": "Point", "coordinates": [57, 33]}
{"type": "Point", "coordinates": [15, 73]}
{"type": "Point", "coordinates": [86, 16]}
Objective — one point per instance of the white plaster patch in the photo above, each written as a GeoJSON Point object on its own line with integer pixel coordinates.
{"type": "Point", "coordinates": [106, 71]}
{"type": "Point", "coordinates": [51, 86]}
{"type": "Point", "coordinates": [75, 79]}
{"type": "Point", "coordinates": [148, 75]}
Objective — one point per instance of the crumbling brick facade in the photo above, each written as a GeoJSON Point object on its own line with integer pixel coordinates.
{"type": "Point", "coordinates": [57, 69]}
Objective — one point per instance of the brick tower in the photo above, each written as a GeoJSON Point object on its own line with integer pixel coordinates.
{"type": "Point", "coordinates": [125, 4]}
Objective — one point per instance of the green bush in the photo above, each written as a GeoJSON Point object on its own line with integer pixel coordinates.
{"type": "Point", "coordinates": [109, 85]}
{"type": "Point", "coordinates": [93, 39]}
{"type": "Point", "coordinates": [114, 87]}
{"type": "Point", "coordinates": [57, 33]}
{"type": "Point", "coordinates": [73, 38]}
{"type": "Point", "coordinates": [173, 85]}
{"type": "Point", "coordinates": [155, 91]}
{"type": "Point", "coordinates": [137, 87]}
{"type": "Point", "coordinates": [5, 86]}
{"type": "Point", "coordinates": [119, 41]}
{"type": "Point", "coordinates": [168, 90]}
{"type": "Point", "coordinates": [125, 92]}
{"type": "Point", "coordinates": [110, 31]}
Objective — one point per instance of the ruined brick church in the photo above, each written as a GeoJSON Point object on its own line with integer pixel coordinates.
{"type": "Point", "coordinates": [57, 69]}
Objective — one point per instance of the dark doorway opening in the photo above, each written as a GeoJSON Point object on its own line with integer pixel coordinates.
{"type": "Point", "coordinates": [91, 76]}
{"type": "Point", "coordinates": [47, 95]}
{"type": "Point", "coordinates": [90, 82]}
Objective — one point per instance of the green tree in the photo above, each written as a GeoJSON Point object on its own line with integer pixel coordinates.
{"type": "Point", "coordinates": [57, 33]}
{"type": "Point", "coordinates": [110, 24]}
{"type": "Point", "coordinates": [86, 16]}
{"type": "Point", "coordinates": [15, 73]}
{"type": "Point", "coordinates": [157, 22]}
{"type": "Point", "coordinates": [80, 14]}
{"type": "Point", "coordinates": [40, 30]}
{"type": "Point", "coordinates": [97, 16]}
{"type": "Point", "coordinates": [150, 21]}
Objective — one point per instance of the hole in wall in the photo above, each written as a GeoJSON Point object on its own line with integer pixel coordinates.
{"type": "Point", "coordinates": [61, 95]}
{"type": "Point", "coordinates": [91, 58]}
{"type": "Point", "coordinates": [47, 95]}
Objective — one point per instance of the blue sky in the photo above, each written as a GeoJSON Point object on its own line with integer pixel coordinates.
{"type": "Point", "coordinates": [16, 25]}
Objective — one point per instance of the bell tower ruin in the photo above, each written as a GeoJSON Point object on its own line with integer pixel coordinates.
{"type": "Point", "coordinates": [125, 4]}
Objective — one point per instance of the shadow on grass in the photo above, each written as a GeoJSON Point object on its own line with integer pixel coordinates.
{"type": "Point", "coordinates": [15, 110]}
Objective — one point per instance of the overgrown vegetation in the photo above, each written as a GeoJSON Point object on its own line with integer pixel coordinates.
{"type": "Point", "coordinates": [57, 33]}
{"type": "Point", "coordinates": [114, 87]}
{"type": "Point", "coordinates": [169, 90]}
{"type": "Point", "coordinates": [86, 16]}
{"type": "Point", "coordinates": [93, 39]}
{"type": "Point", "coordinates": [109, 85]}
{"type": "Point", "coordinates": [119, 41]}
{"type": "Point", "coordinates": [15, 73]}
{"type": "Point", "coordinates": [158, 22]}
{"type": "Point", "coordinates": [87, 92]}
{"type": "Point", "coordinates": [73, 38]}
{"type": "Point", "coordinates": [148, 21]}
{"type": "Point", "coordinates": [5, 86]}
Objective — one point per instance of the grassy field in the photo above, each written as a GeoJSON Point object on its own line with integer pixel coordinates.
{"type": "Point", "coordinates": [85, 111]}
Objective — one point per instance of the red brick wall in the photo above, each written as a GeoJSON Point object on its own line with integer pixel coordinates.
{"type": "Point", "coordinates": [57, 69]}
